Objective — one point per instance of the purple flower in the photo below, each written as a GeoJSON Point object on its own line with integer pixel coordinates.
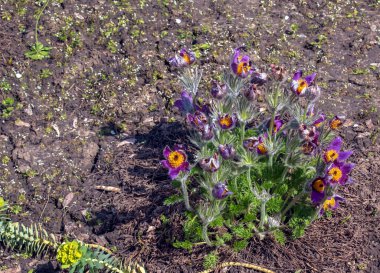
{"type": "Point", "coordinates": [251, 143]}
{"type": "Point", "coordinates": [185, 104]}
{"type": "Point", "coordinates": [218, 91]}
{"type": "Point", "coordinates": [318, 187]}
{"type": "Point", "coordinates": [210, 164]}
{"type": "Point", "coordinates": [255, 144]}
{"type": "Point", "coordinates": [333, 152]}
{"type": "Point", "coordinates": [220, 191]}
{"type": "Point", "coordinates": [277, 124]}
{"type": "Point", "coordinates": [259, 78]}
{"type": "Point", "coordinates": [198, 120]}
{"type": "Point", "coordinates": [313, 93]}
{"type": "Point", "coordinates": [330, 203]}
{"type": "Point", "coordinates": [337, 122]}
{"type": "Point", "coordinates": [175, 161]}
{"type": "Point", "coordinates": [206, 132]}
{"type": "Point", "coordinates": [240, 65]}
{"type": "Point", "coordinates": [309, 134]}
{"type": "Point", "coordinates": [338, 173]}
{"type": "Point", "coordinates": [251, 93]}
{"type": "Point", "coordinates": [300, 85]}
{"type": "Point", "coordinates": [227, 151]}
{"type": "Point", "coordinates": [319, 121]}
{"type": "Point", "coordinates": [185, 58]}
{"type": "Point", "coordinates": [309, 148]}
{"type": "Point", "coordinates": [227, 121]}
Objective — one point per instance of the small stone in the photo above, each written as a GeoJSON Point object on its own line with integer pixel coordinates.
{"type": "Point", "coordinates": [18, 75]}
{"type": "Point", "coordinates": [21, 123]}
{"type": "Point", "coordinates": [369, 124]}
{"type": "Point", "coordinates": [178, 21]}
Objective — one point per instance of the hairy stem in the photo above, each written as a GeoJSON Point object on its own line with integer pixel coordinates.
{"type": "Point", "coordinates": [185, 195]}
{"type": "Point", "coordinates": [263, 215]}
{"type": "Point", "coordinates": [205, 233]}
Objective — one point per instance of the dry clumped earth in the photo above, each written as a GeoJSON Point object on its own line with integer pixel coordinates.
{"type": "Point", "coordinates": [98, 113]}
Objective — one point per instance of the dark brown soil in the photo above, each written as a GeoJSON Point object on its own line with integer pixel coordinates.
{"type": "Point", "coordinates": [103, 115]}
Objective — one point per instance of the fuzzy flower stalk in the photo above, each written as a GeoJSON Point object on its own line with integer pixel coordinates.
{"type": "Point", "coordinates": [255, 169]}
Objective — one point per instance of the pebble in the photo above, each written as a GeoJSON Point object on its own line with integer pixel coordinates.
{"type": "Point", "coordinates": [178, 21]}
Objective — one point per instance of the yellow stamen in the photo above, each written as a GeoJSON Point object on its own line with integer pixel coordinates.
{"type": "Point", "coordinates": [335, 124]}
{"type": "Point", "coordinates": [302, 84]}
{"type": "Point", "coordinates": [226, 121]}
{"type": "Point", "coordinates": [318, 185]}
{"type": "Point", "coordinates": [261, 147]}
{"type": "Point", "coordinates": [329, 203]}
{"type": "Point", "coordinates": [331, 155]}
{"type": "Point", "coordinates": [335, 174]}
{"type": "Point", "coordinates": [176, 159]}
{"type": "Point", "coordinates": [186, 57]}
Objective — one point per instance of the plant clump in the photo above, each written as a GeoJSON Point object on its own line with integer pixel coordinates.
{"type": "Point", "coordinates": [267, 161]}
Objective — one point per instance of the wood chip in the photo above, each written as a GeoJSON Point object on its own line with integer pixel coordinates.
{"type": "Point", "coordinates": [68, 199]}
{"type": "Point", "coordinates": [108, 188]}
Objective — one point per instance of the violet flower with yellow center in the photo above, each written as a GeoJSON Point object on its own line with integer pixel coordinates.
{"type": "Point", "coordinates": [210, 164]}
{"type": "Point", "coordinates": [338, 172]}
{"type": "Point", "coordinates": [333, 152]}
{"type": "Point", "coordinates": [240, 65]}
{"type": "Point", "coordinates": [227, 121]}
{"type": "Point", "coordinates": [220, 191]}
{"type": "Point", "coordinates": [330, 203]}
{"type": "Point", "coordinates": [185, 58]}
{"type": "Point", "coordinates": [318, 187]}
{"type": "Point", "coordinates": [300, 85]}
{"type": "Point", "coordinates": [175, 161]}
{"type": "Point", "coordinates": [337, 122]}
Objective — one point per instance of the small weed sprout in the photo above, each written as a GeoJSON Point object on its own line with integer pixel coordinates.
{"type": "Point", "coordinates": [259, 169]}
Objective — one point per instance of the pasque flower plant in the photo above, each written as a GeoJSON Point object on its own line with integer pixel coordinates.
{"type": "Point", "coordinates": [259, 168]}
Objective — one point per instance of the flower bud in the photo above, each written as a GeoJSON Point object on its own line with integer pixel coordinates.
{"type": "Point", "coordinates": [227, 151]}
{"type": "Point", "coordinates": [218, 91]}
{"type": "Point", "coordinates": [220, 191]}
{"type": "Point", "coordinates": [210, 164]}
{"type": "Point", "coordinates": [252, 92]}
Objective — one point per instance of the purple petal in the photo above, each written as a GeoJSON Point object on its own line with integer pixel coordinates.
{"type": "Point", "coordinates": [245, 59]}
{"type": "Point", "coordinates": [344, 155]}
{"type": "Point", "coordinates": [309, 79]}
{"type": "Point", "coordinates": [317, 197]}
{"type": "Point", "coordinates": [179, 105]}
{"type": "Point", "coordinates": [167, 151]}
{"type": "Point", "coordinates": [166, 164]}
{"type": "Point", "coordinates": [297, 75]}
{"type": "Point", "coordinates": [173, 173]}
{"type": "Point", "coordinates": [234, 67]}
{"type": "Point", "coordinates": [347, 168]}
{"type": "Point", "coordinates": [335, 144]}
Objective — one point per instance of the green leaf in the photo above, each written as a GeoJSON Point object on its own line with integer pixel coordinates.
{"type": "Point", "coordinates": [171, 200]}
{"type": "Point", "coordinates": [38, 52]}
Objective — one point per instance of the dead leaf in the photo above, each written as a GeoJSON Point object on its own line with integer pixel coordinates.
{"type": "Point", "coordinates": [68, 199]}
